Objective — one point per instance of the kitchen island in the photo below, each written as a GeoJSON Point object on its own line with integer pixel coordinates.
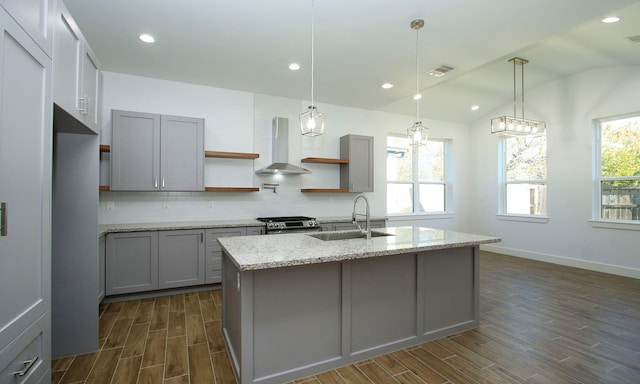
{"type": "Point", "coordinates": [294, 305]}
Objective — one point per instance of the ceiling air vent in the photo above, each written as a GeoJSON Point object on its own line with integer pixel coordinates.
{"type": "Point", "coordinates": [440, 71]}
{"type": "Point", "coordinates": [634, 39]}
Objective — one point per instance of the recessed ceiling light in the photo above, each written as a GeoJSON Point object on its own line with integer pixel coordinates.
{"type": "Point", "coordinates": [475, 107]}
{"type": "Point", "coordinates": [147, 38]}
{"type": "Point", "coordinates": [294, 66]}
{"type": "Point", "coordinates": [611, 19]}
{"type": "Point", "coordinates": [387, 86]}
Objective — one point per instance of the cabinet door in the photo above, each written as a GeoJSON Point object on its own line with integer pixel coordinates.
{"type": "Point", "coordinates": [67, 55]}
{"type": "Point", "coordinates": [135, 151]}
{"type": "Point", "coordinates": [357, 175]}
{"type": "Point", "coordinates": [343, 226]}
{"type": "Point", "coordinates": [131, 262]}
{"type": "Point", "coordinates": [25, 187]}
{"type": "Point", "coordinates": [91, 90]}
{"type": "Point", "coordinates": [253, 231]}
{"type": "Point", "coordinates": [182, 153]}
{"type": "Point", "coordinates": [34, 18]}
{"type": "Point", "coordinates": [181, 258]}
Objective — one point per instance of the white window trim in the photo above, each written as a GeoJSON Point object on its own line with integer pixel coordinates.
{"type": "Point", "coordinates": [416, 185]}
{"type": "Point", "coordinates": [597, 221]}
{"type": "Point", "coordinates": [502, 191]}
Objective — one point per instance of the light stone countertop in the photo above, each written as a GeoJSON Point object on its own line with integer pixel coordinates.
{"type": "Point", "coordinates": [274, 251]}
{"type": "Point", "coordinates": [177, 225]}
{"type": "Point", "coordinates": [169, 226]}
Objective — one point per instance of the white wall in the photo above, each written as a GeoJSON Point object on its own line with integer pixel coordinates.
{"type": "Point", "coordinates": [241, 122]}
{"type": "Point", "coordinates": [568, 106]}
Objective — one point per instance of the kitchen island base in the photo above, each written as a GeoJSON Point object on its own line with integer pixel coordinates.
{"type": "Point", "coordinates": [284, 323]}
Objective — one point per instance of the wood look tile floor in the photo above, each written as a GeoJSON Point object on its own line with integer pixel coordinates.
{"type": "Point", "coordinates": [540, 323]}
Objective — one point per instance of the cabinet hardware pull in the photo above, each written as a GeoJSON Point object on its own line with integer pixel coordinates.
{"type": "Point", "coordinates": [201, 237]}
{"type": "Point", "coordinates": [155, 182]}
{"type": "Point", "coordinates": [83, 105]}
{"type": "Point", "coordinates": [27, 366]}
{"type": "Point", "coordinates": [163, 182]}
{"type": "Point", "coordinates": [3, 218]}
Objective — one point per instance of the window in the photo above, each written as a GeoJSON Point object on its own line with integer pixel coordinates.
{"type": "Point", "coordinates": [416, 176]}
{"type": "Point", "coordinates": [524, 175]}
{"type": "Point", "coordinates": [618, 168]}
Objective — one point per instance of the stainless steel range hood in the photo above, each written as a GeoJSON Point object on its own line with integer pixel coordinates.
{"type": "Point", "coordinates": [280, 146]}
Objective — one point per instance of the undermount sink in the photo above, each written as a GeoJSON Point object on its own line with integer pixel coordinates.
{"type": "Point", "coordinates": [346, 235]}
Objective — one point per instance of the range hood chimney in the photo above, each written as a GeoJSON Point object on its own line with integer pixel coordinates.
{"type": "Point", "coordinates": [280, 145]}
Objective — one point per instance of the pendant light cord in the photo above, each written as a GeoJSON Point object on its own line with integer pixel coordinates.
{"type": "Point", "coordinates": [312, 50]}
{"type": "Point", "coordinates": [417, 78]}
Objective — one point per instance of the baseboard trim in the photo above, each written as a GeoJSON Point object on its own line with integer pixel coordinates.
{"type": "Point", "coordinates": [569, 262]}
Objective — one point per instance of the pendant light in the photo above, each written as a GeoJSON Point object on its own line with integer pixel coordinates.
{"type": "Point", "coordinates": [312, 121]}
{"type": "Point", "coordinates": [418, 133]}
{"type": "Point", "coordinates": [514, 125]}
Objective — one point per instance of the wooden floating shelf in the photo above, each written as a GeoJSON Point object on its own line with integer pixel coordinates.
{"type": "Point", "coordinates": [325, 190]}
{"type": "Point", "coordinates": [105, 148]}
{"type": "Point", "coordinates": [324, 160]}
{"type": "Point", "coordinates": [231, 155]}
{"type": "Point", "coordinates": [230, 189]}
{"type": "Point", "coordinates": [103, 188]}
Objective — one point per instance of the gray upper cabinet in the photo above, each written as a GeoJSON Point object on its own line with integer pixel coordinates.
{"type": "Point", "coordinates": [357, 175]}
{"type": "Point", "coordinates": [180, 258]}
{"type": "Point", "coordinates": [77, 80]}
{"type": "Point", "coordinates": [25, 192]}
{"type": "Point", "coordinates": [151, 152]}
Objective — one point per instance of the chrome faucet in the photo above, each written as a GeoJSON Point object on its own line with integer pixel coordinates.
{"type": "Point", "coordinates": [367, 214]}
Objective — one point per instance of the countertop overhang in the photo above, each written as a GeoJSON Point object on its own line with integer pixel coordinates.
{"type": "Point", "coordinates": [276, 251]}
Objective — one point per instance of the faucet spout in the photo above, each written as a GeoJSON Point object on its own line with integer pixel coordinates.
{"type": "Point", "coordinates": [367, 215]}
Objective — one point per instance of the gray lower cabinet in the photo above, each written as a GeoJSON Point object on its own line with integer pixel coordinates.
{"type": "Point", "coordinates": [151, 152]}
{"type": "Point", "coordinates": [147, 261]}
{"type": "Point", "coordinates": [131, 262]}
{"type": "Point", "coordinates": [102, 243]}
{"type": "Point", "coordinates": [213, 262]}
{"type": "Point", "coordinates": [180, 258]}
{"type": "Point", "coordinates": [357, 175]}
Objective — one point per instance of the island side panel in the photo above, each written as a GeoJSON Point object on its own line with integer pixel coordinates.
{"type": "Point", "coordinates": [232, 313]}
{"type": "Point", "coordinates": [451, 290]}
{"type": "Point", "coordinates": [296, 320]}
{"type": "Point", "coordinates": [383, 302]}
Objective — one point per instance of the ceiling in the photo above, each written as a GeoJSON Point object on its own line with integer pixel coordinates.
{"type": "Point", "coordinates": [247, 45]}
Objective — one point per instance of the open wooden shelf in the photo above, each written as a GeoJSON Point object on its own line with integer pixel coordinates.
{"type": "Point", "coordinates": [325, 190]}
{"type": "Point", "coordinates": [105, 148]}
{"type": "Point", "coordinates": [231, 189]}
{"type": "Point", "coordinates": [231, 155]}
{"type": "Point", "coordinates": [324, 160]}
{"type": "Point", "coordinates": [103, 188]}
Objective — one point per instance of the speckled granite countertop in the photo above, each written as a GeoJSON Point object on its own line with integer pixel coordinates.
{"type": "Point", "coordinates": [263, 252]}
{"type": "Point", "coordinates": [169, 226]}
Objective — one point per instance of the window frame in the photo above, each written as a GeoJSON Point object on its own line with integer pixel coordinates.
{"type": "Point", "coordinates": [597, 219]}
{"type": "Point", "coordinates": [504, 183]}
{"type": "Point", "coordinates": [415, 181]}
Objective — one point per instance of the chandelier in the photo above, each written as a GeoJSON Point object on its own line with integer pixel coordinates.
{"type": "Point", "coordinates": [514, 125]}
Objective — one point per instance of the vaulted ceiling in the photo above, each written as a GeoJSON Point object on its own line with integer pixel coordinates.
{"type": "Point", "coordinates": [359, 44]}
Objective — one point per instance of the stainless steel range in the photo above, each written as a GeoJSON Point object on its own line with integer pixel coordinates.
{"type": "Point", "coordinates": [290, 224]}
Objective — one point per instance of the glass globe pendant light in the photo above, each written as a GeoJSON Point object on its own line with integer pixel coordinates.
{"type": "Point", "coordinates": [417, 133]}
{"type": "Point", "coordinates": [312, 121]}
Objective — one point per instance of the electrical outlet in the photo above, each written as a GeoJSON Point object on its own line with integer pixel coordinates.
{"type": "Point", "coordinates": [165, 205]}
{"type": "Point", "coordinates": [111, 205]}
{"type": "Point", "coordinates": [211, 204]}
